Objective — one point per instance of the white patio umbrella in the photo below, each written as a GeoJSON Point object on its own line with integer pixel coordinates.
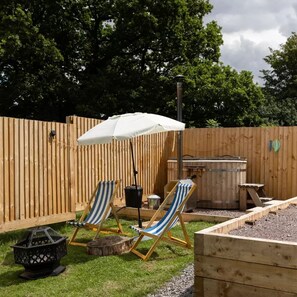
{"type": "Point", "coordinates": [128, 126]}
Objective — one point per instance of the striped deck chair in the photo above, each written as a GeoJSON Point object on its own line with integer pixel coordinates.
{"type": "Point", "coordinates": [182, 192]}
{"type": "Point", "coordinates": [97, 211]}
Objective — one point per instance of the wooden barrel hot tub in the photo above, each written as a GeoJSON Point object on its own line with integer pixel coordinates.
{"type": "Point", "coordinates": [217, 179]}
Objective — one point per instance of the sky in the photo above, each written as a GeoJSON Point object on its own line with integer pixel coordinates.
{"type": "Point", "coordinates": [250, 28]}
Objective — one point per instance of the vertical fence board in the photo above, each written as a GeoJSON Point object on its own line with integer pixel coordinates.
{"type": "Point", "coordinates": [6, 171]}
{"type": "Point", "coordinates": [11, 127]}
{"type": "Point", "coordinates": [2, 171]}
{"type": "Point", "coordinates": [36, 150]}
{"type": "Point", "coordinates": [17, 172]}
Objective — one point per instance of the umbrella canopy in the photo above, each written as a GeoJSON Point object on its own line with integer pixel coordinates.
{"type": "Point", "coordinates": [127, 126]}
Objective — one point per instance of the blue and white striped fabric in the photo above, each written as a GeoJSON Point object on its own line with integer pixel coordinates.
{"type": "Point", "coordinates": [101, 202]}
{"type": "Point", "coordinates": [182, 190]}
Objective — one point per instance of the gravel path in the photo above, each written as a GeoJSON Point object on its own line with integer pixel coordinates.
{"type": "Point", "coordinates": [276, 226]}
{"type": "Point", "coordinates": [182, 285]}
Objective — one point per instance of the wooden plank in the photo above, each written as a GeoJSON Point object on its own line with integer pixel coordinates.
{"type": "Point", "coordinates": [293, 157]}
{"type": "Point", "coordinates": [232, 224]}
{"type": "Point", "coordinates": [53, 177]}
{"type": "Point", "coordinates": [63, 141]}
{"type": "Point", "coordinates": [72, 166]}
{"type": "Point", "coordinates": [17, 150]}
{"type": "Point", "coordinates": [6, 170]}
{"type": "Point", "coordinates": [187, 217]}
{"type": "Point", "coordinates": [252, 185]}
{"type": "Point", "coordinates": [269, 277]}
{"type": "Point", "coordinates": [34, 222]}
{"type": "Point", "coordinates": [36, 173]}
{"type": "Point", "coordinates": [46, 170]}
{"type": "Point", "coordinates": [11, 127]}
{"type": "Point", "coordinates": [2, 172]}
{"type": "Point", "coordinates": [22, 205]}
{"type": "Point", "coordinates": [242, 199]}
{"type": "Point", "coordinates": [26, 170]}
{"type": "Point", "coordinates": [32, 153]}
{"type": "Point", "coordinates": [205, 287]}
{"type": "Point", "coordinates": [253, 250]}
{"type": "Point", "coordinates": [255, 196]}
{"type": "Point", "coordinates": [41, 170]}
{"type": "Point", "coordinates": [58, 178]}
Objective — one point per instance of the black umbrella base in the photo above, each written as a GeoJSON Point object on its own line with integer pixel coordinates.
{"type": "Point", "coordinates": [30, 274]}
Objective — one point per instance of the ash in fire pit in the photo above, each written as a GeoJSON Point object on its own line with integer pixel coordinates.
{"type": "Point", "coordinates": [40, 251]}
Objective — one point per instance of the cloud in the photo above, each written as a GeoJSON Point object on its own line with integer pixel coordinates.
{"type": "Point", "coordinates": [250, 28]}
{"type": "Point", "coordinates": [243, 54]}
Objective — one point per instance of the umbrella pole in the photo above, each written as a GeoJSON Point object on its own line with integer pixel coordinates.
{"type": "Point", "coordinates": [135, 180]}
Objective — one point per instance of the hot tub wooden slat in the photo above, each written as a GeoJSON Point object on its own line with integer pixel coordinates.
{"type": "Point", "coordinates": [217, 180]}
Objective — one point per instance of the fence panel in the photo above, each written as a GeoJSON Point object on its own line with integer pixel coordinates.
{"type": "Point", "coordinates": [267, 163]}
{"type": "Point", "coordinates": [34, 174]}
{"type": "Point", "coordinates": [46, 179]}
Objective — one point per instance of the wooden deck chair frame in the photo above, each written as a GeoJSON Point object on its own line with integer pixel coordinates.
{"type": "Point", "coordinates": [169, 238]}
{"type": "Point", "coordinates": [99, 227]}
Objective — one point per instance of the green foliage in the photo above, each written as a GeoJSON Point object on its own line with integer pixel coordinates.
{"type": "Point", "coordinates": [30, 65]}
{"type": "Point", "coordinates": [281, 83]}
{"type": "Point", "coordinates": [218, 92]}
{"type": "Point", "coordinates": [211, 123]}
{"type": "Point", "coordinates": [99, 58]}
{"type": "Point", "coordinates": [87, 275]}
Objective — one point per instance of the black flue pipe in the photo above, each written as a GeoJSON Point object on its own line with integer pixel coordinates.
{"type": "Point", "coordinates": [135, 172]}
{"type": "Point", "coordinates": [179, 90]}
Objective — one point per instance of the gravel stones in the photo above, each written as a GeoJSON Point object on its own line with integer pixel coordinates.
{"type": "Point", "coordinates": [181, 285]}
{"type": "Point", "coordinates": [280, 225]}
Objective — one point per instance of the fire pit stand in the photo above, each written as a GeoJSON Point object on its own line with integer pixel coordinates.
{"type": "Point", "coordinates": [40, 251]}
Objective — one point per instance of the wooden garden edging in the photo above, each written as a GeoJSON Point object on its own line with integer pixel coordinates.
{"type": "Point", "coordinates": [233, 266]}
{"type": "Point", "coordinates": [187, 217]}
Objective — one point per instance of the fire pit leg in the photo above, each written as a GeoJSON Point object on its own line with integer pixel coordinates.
{"type": "Point", "coordinates": [41, 272]}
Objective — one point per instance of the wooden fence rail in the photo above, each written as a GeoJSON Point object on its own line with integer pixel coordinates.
{"type": "Point", "coordinates": [46, 179]}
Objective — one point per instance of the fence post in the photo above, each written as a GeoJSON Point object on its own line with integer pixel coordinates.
{"type": "Point", "coordinates": [72, 148]}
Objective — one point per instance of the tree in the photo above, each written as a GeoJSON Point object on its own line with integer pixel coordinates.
{"type": "Point", "coordinates": [147, 39]}
{"type": "Point", "coordinates": [281, 83]}
{"type": "Point", "coordinates": [219, 93]}
{"type": "Point", "coordinates": [30, 67]}
{"type": "Point", "coordinates": [98, 57]}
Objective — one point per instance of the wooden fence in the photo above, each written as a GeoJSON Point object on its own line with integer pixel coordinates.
{"type": "Point", "coordinates": [271, 153]}
{"type": "Point", "coordinates": [35, 177]}
{"type": "Point", "coordinates": [46, 179]}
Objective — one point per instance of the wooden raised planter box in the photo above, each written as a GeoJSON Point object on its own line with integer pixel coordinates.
{"type": "Point", "coordinates": [234, 266]}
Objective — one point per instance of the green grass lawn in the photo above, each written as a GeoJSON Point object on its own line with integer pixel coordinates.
{"type": "Point", "coordinates": [86, 275]}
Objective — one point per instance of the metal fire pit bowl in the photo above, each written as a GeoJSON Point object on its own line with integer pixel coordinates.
{"type": "Point", "coordinates": [40, 251]}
